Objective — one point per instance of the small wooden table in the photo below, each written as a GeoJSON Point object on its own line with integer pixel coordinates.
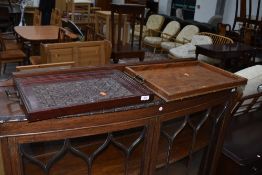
{"type": "Point", "coordinates": [104, 18]}
{"type": "Point", "coordinates": [226, 52]}
{"type": "Point", "coordinates": [39, 34]}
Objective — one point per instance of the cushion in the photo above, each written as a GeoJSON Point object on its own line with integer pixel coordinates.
{"type": "Point", "coordinates": [201, 40]}
{"type": "Point", "coordinates": [166, 45]}
{"type": "Point", "coordinates": [171, 29]}
{"type": "Point", "coordinates": [187, 33]}
{"type": "Point", "coordinates": [254, 76]}
{"type": "Point", "coordinates": [153, 40]}
{"type": "Point", "coordinates": [155, 22]}
{"type": "Point", "coordinates": [188, 50]}
{"type": "Point", "coordinates": [184, 51]}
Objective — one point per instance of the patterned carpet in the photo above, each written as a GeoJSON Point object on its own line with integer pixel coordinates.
{"type": "Point", "coordinates": [149, 56]}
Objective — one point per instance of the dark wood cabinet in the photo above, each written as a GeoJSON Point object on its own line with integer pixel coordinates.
{"type": "Point", "coordinates": [104, 4]}
{"type": "Point", "coordinates": [156, 137]}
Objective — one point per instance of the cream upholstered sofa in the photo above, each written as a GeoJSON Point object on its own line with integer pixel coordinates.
{"type": "Point", "coordinates": [252, 92]}
{"type": "Point", "coordinates": [154, 23]}
{"type": "Point", "coordinates": [167, 34]}
{"type": "Point", "coordinates": [183, 37]}
{"type": "Point", "coordinates": [254, 76]}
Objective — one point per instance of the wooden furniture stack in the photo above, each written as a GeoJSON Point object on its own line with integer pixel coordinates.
{"type": "Point", "coordinates": [79, 12]}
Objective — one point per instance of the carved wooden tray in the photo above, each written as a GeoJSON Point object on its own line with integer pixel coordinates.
{"type": "Point", "coordinates": [173, 81]}
{"type": "Point", "coordinates": [56, 95]}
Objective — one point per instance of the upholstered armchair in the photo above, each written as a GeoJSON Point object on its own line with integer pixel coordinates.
{"type": "Point", "coordinates": [167, 34]}
{"type": "Point", "coordinates": [183, 37]}
{"type": "Point", "coordinates": [154, 23]}
{"type": "Point", "coordinates": [187, 51]}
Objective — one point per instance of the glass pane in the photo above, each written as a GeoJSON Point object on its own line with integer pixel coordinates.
{"type": "Point", "coordinates": [110, 153]}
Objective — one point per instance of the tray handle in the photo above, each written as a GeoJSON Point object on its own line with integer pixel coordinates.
{"type": "Point", "coordinates": [139, 79]}
{"type": "Point", "coordinates": [13, 95]}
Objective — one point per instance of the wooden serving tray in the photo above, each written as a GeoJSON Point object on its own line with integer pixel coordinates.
{"type": "Point", "coordinates": [173, 81]}
{"type": "Point", "coordinates": [55, 95]}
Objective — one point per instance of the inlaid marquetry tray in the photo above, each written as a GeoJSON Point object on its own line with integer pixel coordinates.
{"type": "Point", "coordinates": [172, 81]}
{"type": "Point", "coordinates": [55, 95]}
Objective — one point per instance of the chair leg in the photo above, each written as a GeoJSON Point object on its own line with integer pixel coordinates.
{"type": "Point", "coordinates": [4, 68]}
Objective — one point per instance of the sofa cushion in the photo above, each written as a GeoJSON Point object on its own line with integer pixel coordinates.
{"type": "Point", "coordinates": [167, 45]}
{"type": "Point", "coordinates": [153, 40]}
{"type": "Point", "coordinates": [184, 51]}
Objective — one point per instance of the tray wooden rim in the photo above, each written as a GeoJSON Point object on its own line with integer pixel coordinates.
{"type": "Point", "coordinates": [54, 112]}
{"type": "Point", "coordinates": [238, 80]}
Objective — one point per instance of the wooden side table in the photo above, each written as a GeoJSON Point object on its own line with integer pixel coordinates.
{"type": "Point", "coordinates": [227, 52]}
{"type": "Point", "coordinates": [103, 18]}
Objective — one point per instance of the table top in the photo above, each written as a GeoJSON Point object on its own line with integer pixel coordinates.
{"type": "Point", "coordinates": [106, 13]}
{"type": "Point", "coordinates": [37, 33]}
{"type": "Point", "coordinates": [217, 48]}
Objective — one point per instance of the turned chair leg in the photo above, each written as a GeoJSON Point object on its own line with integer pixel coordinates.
{"type": "Point", "coordinates": [2, 69]}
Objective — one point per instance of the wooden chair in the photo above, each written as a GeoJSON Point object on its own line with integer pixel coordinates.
{"type": "Point", "coordinates": [187, 51]}
{"type": "Point", "coordinates": [37, 17]}
{"type": "Point", "coordinates": [120, 48]}
{"type": "Point", "coordinates": [78, 12]}
{"type": "Point", "coordinates": [65, 35]}
{"type": "Point", "coordinates": [223, 29]}
{"type": "Point", "coordinates": [243, 16]}
{"type": "Point", "coordinates": [55, 17]}
{"type": "Point", "coordinates": [218, 39]}
{"type": "Point", "coordinates": [154, 23]}
{"type": "Point", "coordinates": [167, 34]}
{"type": "Point", "coordinates": [9, 56]}
{"type": "Point", "coordinates": [91, 34]}
{"type": "Point", "coordinates": [10, 41]}
{"type": "Point", "coordinates": [183, 37]}
{"type": "Point", "coordinates": [82, 53]}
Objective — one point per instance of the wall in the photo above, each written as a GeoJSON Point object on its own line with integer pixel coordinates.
{"type": "Point", "coordinates": [206, 10]}
{"type": "Point", "coordinates": [164, 7]}
{"type": "Point", "coordinates": [203, 14]}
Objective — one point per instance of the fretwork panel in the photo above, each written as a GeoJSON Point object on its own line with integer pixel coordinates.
{"type": "Point", "coordinates": [185, 142]}
{"type": "Point", "coordinates": [119, 152]}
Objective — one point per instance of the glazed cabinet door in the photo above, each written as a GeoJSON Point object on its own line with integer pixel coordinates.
{"type": "Point", "coordinates": [187, 140]}
{"type": "Point", "coordinates": [117, 149]}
